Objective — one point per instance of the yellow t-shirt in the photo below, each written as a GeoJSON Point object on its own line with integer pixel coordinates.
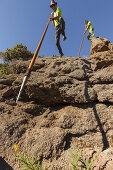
{"type": "Point", "coordinates": [90, 26]}
{"type": "Point", "coordinates": [58, 10]}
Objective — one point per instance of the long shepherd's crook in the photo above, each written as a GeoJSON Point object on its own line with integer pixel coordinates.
{"type": "Point", "coordinates": [32, 62]}
{"type": "Point", "coordinates": [81, 43]}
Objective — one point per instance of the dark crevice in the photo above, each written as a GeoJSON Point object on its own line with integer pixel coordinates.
{"type": "Point", "coordinates": [69, 136]}
{"type": "Point", "coordinates": [102, 83]}
{"type": "Point", "coordinates": [104, 166]}
{"type": "Point", "coordinates": [68, 139]}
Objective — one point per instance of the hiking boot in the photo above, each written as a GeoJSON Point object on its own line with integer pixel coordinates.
{"type": "Point", "coordinates": [61, 55]}
{"type": "Point", "coordinates": [64, 38]}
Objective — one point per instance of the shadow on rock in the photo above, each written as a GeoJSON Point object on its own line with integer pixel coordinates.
{"type": "Point", "coordinates": [104, 137]}
{"type": "Point", "coordinates": [4, 165]}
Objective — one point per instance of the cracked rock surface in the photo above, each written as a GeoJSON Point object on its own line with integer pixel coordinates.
{"type": "Point", "coordinates": [66, 102]}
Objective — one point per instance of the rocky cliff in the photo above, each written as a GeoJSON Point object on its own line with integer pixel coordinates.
{"type": "Point", "coordinates": [66, 102]}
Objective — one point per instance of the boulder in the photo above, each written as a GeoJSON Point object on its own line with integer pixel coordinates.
{"type": "Point", "coordinates": [99, 44]}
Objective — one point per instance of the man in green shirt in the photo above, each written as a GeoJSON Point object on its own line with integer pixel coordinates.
{"type": "Point", "coordinates": [90, 28]}
{"type": "Point", "coordinates": [59, 24]}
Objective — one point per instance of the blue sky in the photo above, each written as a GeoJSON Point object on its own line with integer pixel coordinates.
{"type": "Point", "coordinates": [25, 20]}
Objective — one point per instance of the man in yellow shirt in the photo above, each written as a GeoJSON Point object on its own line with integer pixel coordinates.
{"type": "Point", "coordinates": [59, 24]}
{"type": "Point", "coordinates": [90, 28]}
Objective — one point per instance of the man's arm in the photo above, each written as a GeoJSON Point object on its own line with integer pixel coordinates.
{"type": "Point", "coordinates": [54, 18]}
{"type": "Point", "coordinates": [51, 19]}
{"type": "Point", "coordinates": [86, 28]}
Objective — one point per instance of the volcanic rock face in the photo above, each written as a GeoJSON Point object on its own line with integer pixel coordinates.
{"type": "Point", "coordinates": [66, 102]}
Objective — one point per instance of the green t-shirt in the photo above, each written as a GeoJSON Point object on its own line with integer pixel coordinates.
{"type": "Point", "coordinates": [58, 10]}
{"type": "Point", "coordinates": [90, 26]}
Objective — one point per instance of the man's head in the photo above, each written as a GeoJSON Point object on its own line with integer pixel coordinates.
{"type": "Point", "coordinates": [86, 21]}
{"type": "Point", "coordinates": [53, 5]}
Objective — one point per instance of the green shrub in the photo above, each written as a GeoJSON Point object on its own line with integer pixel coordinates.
{"type": "Point", "coordinates": [80, 160]}
{"type": "Point", "coordinates": [76, 157]}
{"type": "Point", "coordinates": [29, 162]}
{"type": "Point", "coordinates": [43, 110]}
{"type": "Point", "coordinates": [17, 52]}
{"type": "Point", "coordinates": [3, 69]}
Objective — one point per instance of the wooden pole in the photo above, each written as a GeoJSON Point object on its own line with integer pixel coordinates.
{"type": "Point", "coordinates": [38, 48]}
{"type": "Point", "coordinates": [81, 43]}
{"type": "Point", "coordinates": [28, 72]}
